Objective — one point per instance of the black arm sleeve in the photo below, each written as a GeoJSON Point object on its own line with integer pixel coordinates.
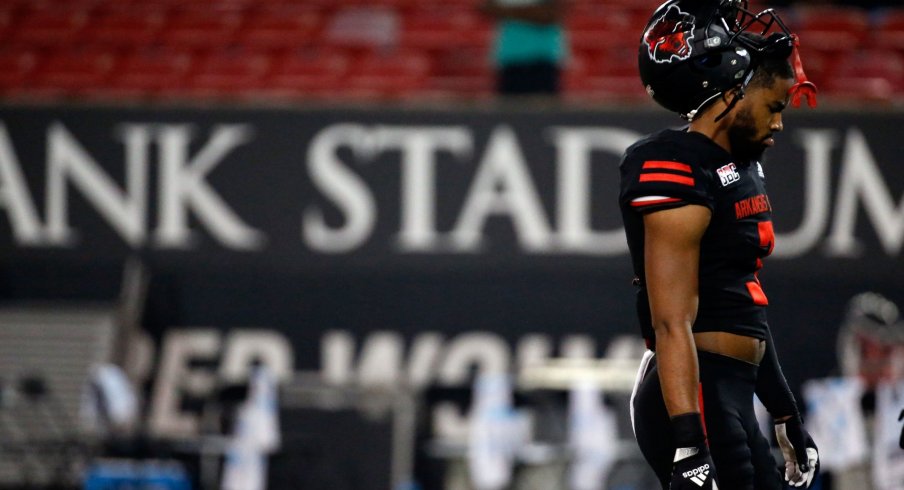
{"type": "Point", "coordinates": [771, 386]}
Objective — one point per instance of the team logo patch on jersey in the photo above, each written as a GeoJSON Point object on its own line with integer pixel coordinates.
{"type": "Point", "coordinates": [759, 170]}
{"type": "Point", "coordinates": [669, 38]}
{"type": "Point", "coordinates": [728, 174]}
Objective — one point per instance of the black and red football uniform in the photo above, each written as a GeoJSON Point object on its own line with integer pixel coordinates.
{"type": "Point", "coordinates": [674, 168]}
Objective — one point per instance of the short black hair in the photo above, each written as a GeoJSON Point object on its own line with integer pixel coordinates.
{"type": "Point", "coordinates": [768, 70]}
{"type": "Point", "coordinates": [769, 64]}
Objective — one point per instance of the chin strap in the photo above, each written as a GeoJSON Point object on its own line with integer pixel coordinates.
{"type": "Point", "coordinates": [739, 95]}
{"type": "Point", "coordinates": [734, 101]}
{"type": "Point", "coordinates": [804, 87]}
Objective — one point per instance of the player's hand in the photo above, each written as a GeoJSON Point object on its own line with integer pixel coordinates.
{"type": "Point", "coordinates": [800, 452]}
{"type": "Point", "coordinates": [693, 469]}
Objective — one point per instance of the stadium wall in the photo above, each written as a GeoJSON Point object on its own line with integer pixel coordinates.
{"type": "Point", "coordinates": [396, 246]}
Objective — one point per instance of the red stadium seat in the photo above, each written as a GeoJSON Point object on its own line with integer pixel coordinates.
{"type": "Point", "coordinates": [7, 15]}
{"type": "Point", "coordinates": [361, 28]}
{"type": "Point", "coordinates": [609, 77]}
{"type": "Point", "coordinates": [280, 28]}
{"type": "Point", "coordinates": [124, 27]}
{"type": "Point", "coordinates": [611, 89]}
{"type": "Point", "coordinates": [151, 73]}
{"type": "Point", "coordinates": [167, 5]}
{"type": "Point", "coordinates": [200, 28]}
{"type": "Point", "coordinates": [889, 29]}
{"type": "Point", "coordinates": [462, 72]}
{"type": "Point", "coordinates": [834, 28]}
{"type": "Point", "coordinates": [872, 63]}
{"type": "Point", "coordinates": [612, 63]}
{"type": "Point", "coordinates": [870, 75]}
{"type": "Point", "coordinates": [228, 72]}
{"type": "Point", "coordinates": [445, 29]}
{"type": "Point", "coordinates": [828, 17]}
{"type": "Point", "coordinates": [388, 76]}
{"type": "Point", "coordinates": [57, 5]}
{"type": "Point", "coordinates": [72, 72]}
{"type": "Point", "coordinates": [600, 29]}
{"type": "Point", "coordinates": [18, 65]}
{"type": "Point", "coordinates": [307, 73]}
{"type": "Point", "coordinates": [639, 12]}
{"type": "Point", "coordinates": [860, 89]}
{"type": "Point", "coordinates": [344, 4]}
{"type": "Point", "coordinates": [49, 27]}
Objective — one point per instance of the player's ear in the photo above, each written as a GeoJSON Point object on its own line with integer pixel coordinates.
{"type": "Point", "coordinates": [729, 95]}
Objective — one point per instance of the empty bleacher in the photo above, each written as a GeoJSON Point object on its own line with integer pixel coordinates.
{"type": "Point", "coordinates": [378, 50]}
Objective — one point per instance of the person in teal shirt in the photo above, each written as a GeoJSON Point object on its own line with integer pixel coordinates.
{"type": "Point", "coordinates": [530, 46]}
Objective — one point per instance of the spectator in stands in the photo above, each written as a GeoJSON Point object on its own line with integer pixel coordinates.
{"type": "Point", "coordinates": [530, 45]}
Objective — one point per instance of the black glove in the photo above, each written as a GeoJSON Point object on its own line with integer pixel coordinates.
{"type": "Point", "coordinates": [800, 452]}
{"type": "Point", "coordinates": [693, 469]}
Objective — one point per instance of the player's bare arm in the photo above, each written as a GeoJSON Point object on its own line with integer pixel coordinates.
{"type": "Point", "coordinates": [672, 254]}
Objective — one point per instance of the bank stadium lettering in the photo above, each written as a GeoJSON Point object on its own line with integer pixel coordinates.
{"type": "Point", "coordinates": [166, 201]}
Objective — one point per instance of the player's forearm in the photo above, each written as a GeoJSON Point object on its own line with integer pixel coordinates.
{"type": "Point", "coordinates": [772, 387]}
{"type": "Point", "coordinates": [676, 356]}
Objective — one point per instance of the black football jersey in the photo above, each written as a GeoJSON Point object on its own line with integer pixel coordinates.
{"type": "Point", "coordinates": [674, 168]}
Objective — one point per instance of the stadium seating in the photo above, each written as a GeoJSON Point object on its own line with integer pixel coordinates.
{"type": "Point", "coordinates": [382, 49]}
{"type": "Point", "coordinates": [275, 28]}
{"type": "Point", "coordinates": [226, 73]}
{"type": "Point", "coordinates": [393, 76]}
{"type": "Point", "coordinates": [149, 73]}
{"type": "Point", "coordinates": [444, 29]}
{"type": "Point", "coordinates": [73, 71]}
{"type": "Point", "coordinates": [18, 65]}
{"type": "Point", "coordinates": [889, 30]}
{"type": "Point", "coordinates": [200, 28]}
{"type": "Point", "coordinates": [875, 74]}
{"type": "Point", "coordinates": [466, 72]}
{"type": "Point", "coordinates": [833, 28]}
{"type": "Point", "coordinates": [124, 27]}
{"type": "Point", "coordinates": [306, 74]}
{"type": "Point", "coordinates": [48, 27]}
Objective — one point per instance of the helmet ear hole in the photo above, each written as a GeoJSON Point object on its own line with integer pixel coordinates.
{"type": "Point", "coordinates": [710, 60]}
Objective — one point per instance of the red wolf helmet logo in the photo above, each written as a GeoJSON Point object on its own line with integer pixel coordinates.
{"type": "Point", "coordinates": [669, 38]}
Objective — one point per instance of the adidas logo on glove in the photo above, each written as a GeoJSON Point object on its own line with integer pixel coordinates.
{"type": "Point", "coordinates": [697, 475]}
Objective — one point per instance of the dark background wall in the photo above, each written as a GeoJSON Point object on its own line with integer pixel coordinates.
{"type": "Point", "coordinates": [239, 248]}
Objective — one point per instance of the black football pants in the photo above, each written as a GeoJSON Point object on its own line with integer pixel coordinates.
{"type": "Point", "coordinates": [740, 452]}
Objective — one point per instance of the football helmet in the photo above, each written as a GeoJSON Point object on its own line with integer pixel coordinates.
{"type": "Point", "coordinates": [692, 51]}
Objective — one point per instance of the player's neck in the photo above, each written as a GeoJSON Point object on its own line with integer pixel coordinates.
{"type": "Point", "coordinates": [707, 125]}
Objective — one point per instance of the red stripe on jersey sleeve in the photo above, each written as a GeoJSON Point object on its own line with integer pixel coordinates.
{"type": "Point", "coordinates": [756, 292]}
{"type": "Point", "coordinates": [662, 164]}
{"type": "Point", "coordinates": [654, 202]}
{"type": "Point", "coordinates": [677, 179]}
